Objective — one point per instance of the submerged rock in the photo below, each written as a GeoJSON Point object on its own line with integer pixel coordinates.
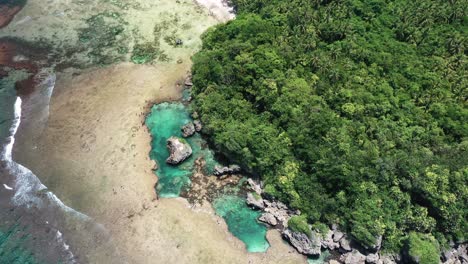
{"type": "Point", "coordinates": [188, 129]}
{"type": "Point", "coordinates": [255, 200]}
{"type": "Point", "coordinates": [198, 125]}
{"type": "Point", "coordinates": [303, 243]}
{"type": "Point", "coordinates": [232, 169]}
{"type": "Point", "coordinates": [268, 218]}
{"type": "Point", "coordinates": [179, 150]}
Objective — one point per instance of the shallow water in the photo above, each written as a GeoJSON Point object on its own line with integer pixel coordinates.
{"type": "Point", "coordinates": [164, 121]}
{"type": "Point", "coordinates": [242, 222]}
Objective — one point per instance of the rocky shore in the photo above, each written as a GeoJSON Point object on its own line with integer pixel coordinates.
{"type": "Point", "coordinates": [277, 215]}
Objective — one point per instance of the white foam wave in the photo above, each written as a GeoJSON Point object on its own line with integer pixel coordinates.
{"type": "Point", "coordinates": [6, 155]}
{"type": "Point", "coordinates": [29, 191]}
{"type": "Point", "coordinates": [66, 247]}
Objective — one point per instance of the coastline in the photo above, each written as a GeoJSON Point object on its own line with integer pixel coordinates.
{"type": "Point", "coordinates": [98, 163]}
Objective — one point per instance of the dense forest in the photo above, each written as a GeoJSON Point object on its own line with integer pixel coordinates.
{"type": "Point", "coordinates": [353, 111]}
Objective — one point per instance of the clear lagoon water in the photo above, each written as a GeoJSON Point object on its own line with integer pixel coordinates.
{"type": "Point", "coordinates": [164, 121]}
{"type": "Point", "coordinates": [242, 222]}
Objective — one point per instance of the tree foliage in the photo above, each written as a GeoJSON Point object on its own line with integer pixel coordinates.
{"type": "Point", "coordinates": [352, 111]}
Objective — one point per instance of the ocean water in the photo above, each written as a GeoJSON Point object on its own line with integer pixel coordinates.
{"type": "Point", "coordinates": [164, 121]}
{"type": "Point", "coordinates": [242, 222]}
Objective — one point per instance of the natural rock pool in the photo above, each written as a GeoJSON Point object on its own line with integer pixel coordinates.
{"type": "Point", "coordinates": [166, 120]}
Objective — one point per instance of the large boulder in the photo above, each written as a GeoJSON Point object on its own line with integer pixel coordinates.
{"type": "Point", "coordinates": [328, 241]}
{"type": "Point", "coordinates": [337, 235]}
{"type": "Point", "coordinates": [179, 150]}
{"type": "Point", "coordinates": [345, 244]}
{"type": "Point", "coordinates": [372, 259]}
{"type": "Point", "coordinates": [255, 201]}
{"type": "Point", "coordinates": [254, 186]}
{"type": "Point", "coordinates": [232, 169]}
{"type": "Point", "coordinates": [302, 243]}
{"type": "Point", "coordinates": [354, 257]}
{"type": "Point", "coordinates": [188, 129]}
{"type": "Point", "coordinates": [269, 219]}
{"type": "Point", "coordinates": [278, 211]}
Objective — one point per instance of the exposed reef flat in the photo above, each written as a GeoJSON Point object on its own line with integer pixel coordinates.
{"type": "Point", "coordinates": [97, 149]}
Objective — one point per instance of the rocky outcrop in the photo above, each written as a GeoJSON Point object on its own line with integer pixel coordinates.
{"type": "Point", "coordinates": [188, 79]}
{"type": "Point", "coordinates": [372, 259]}
{"type": "Point", "coordinates": [255, 201]}
{"type": "Point", "coordinates": [457, 255]}
{"type": "Point", "coordinates": [345, 244]}
{"type": "Point", "coordinates": [188, 129]}
{"type": "Point", "coordinates": [328, 241]}
{"type": "Point", "coordinates": [354, 257]}
{"type": "Point", "coordinates": [198, 125]}
{"type": "Point", "coordinates": [279, 210]}
{"type": "Point", "coordinates": [232, 169]}
{"type": "Point", "coordinates": [179, 150]}
{"type": "Point", "coordinates": [269, 219]}
{"type": "Point", "coordinates": [254, 186]}
{"type": "Point", "coordinates": [302, 243]}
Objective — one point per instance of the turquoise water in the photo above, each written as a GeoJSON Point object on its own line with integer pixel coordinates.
{"type": "Point", "coordinates": [164, 121]}
{"type": "Point", "coordinates": [11, 250]}
{"type": "Point", "coordinates": [320, 260]}
{"type": "Point", "coordinates": [242, 222]}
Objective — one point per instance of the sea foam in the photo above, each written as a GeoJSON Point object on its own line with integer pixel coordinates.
{"type": "Point", "coordinates": [28, 189]}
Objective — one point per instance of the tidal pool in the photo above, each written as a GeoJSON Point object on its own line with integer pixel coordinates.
{"type": "Point", "coordinates": [166, 120]}
{"type": "Point", "coordinates": [242, 222]}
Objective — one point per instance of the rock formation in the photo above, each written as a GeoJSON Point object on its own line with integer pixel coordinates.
{"type": "Point", "coordinates": [179, 150]}
{"type": "Point", "coordinates": [232, 169]}
{"type": "Point", "coordinates": [304, 244]}
{"type": "Point", "coordinates": [188, 129]}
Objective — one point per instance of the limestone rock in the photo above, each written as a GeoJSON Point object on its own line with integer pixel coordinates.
{"type": "Point", "coordinates": [337, 235]}
{"type": "Point", "coordinates": [232, 169]}
{"type": "Point", "coordinates": [302, 243]}
{"type": "Point", "coordinates": [188, 80]}
{"type": "Point", "coordinates": [387, 259]}
{"type": "Point", "coordinates": [282, 215]}
{"type": "Point", "coordinates": [254, 186]}
{"type": "Point", "coordinates": [255, 201]}
{"type": "Point", "coordinates": [372, 258]}
{"type": "Point", "coordinates": [354, 257]}
{"type": "Point", "coordinates": [188, 129]}
{"type": "Point", "coordinates": [333, 262]}
{"type": "Point", "coordinates": [179, 150]}
{"type": "Point", "coordinates": [328, 241]}
{"type": "Point", "coordinates": [268, 218]}
{"type": "Point", "coordinates": [198, 125]}
{"type": "Point", "coordinates": [458, 255]}
{"type": "Point", "coordinates": [345, 244]}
